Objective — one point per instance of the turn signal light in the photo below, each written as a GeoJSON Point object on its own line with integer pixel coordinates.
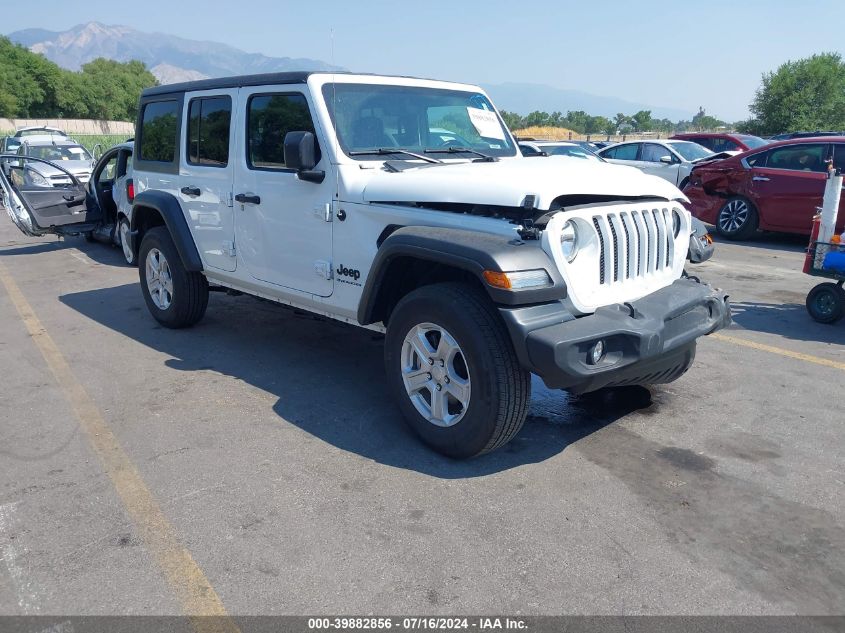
{"type": "Point", "coordinates": [518, 280]}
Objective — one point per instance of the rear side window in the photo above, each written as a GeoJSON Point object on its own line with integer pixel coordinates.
{"type": "Point", "coordinates": [159, 125]}
{"type": "Point", "coordinates": [209, 120]}
{"type": "Point", "coordinates": [269, 118]}
{"type": "Point", "coordinates": [839, 157]}
{"type": "Point", "coordinates": [720, 145]}
{"type": "Point", "coordinates": [623, 152]}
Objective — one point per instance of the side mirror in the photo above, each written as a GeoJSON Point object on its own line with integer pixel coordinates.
{"type": "Point", "coordinates": [666, 159]}
{"type": "Point", "coordinates": [301, 155]}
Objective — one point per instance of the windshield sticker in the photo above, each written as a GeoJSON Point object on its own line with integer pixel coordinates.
{"type": "Point", "coordinates": [486, 123]}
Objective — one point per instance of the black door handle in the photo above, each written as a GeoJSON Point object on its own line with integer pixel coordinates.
{"type": "Point", "coordinates": [191, 191]}
{"type": "Point", "coordinates": [69, 197]}
{"type": "Point", "coordinates": [247, 199]}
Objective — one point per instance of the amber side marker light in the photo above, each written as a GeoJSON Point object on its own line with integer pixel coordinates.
{"type": "Point", "coordinates": [518, 280]}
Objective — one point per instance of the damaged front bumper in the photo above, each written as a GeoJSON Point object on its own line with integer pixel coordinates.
{"type": "Point", "coordinates": [648, 341]}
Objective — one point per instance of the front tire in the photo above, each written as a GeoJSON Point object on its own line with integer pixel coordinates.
{"type": "Point", "coordinates": [453, 371]}
{"type": "Point", "coordinates": [737, 219]}
{"type": "Point", "coordinates": [826, 303]}
{"type": "Point", "coordinates": [123, 232]}
{"type": "Point", "coordinates": [175, 297]}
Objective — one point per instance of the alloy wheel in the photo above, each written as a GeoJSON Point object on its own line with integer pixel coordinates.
{"type": "Point", "coordinates": [159, 279]}
{"type": "Point", "coordinates": [124, 242]}
{"type": "Point", "coordinates": [733, 216]}
{"type": "Point", "coordinates": [435, 374]}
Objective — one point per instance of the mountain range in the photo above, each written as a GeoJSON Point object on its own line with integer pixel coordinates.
{"type": "Point", "coordinates": [173, 59]}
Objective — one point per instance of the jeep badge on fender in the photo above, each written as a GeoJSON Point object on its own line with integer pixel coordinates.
{"type": "Point", "coordinates": [348, 272]}
{"type": "Point", "coordinates": [469, 309]}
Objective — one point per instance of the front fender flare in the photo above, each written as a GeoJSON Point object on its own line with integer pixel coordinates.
{"type": "Point", "coordinates": [466, 250]}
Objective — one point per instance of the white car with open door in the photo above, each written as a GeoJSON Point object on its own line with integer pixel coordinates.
{"type": "Point", "coordinates": [100, 209]}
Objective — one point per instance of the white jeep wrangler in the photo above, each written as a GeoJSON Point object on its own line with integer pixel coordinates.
{"type": "Point", "coordinates": [404, 206]}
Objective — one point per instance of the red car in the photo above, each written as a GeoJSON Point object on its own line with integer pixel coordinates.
{"type": "Point", "coordinates": [776, 188]}
{"type": "Point", "coordinates": [718, 143]}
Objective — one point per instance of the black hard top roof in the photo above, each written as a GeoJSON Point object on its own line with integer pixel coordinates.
{"type": "Point", "coordinates": [230, 82]}
{"type": "Point", "coordinates": [295, 77]}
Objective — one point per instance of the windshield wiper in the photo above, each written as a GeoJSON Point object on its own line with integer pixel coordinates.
{"type": "Point", "coordinates": [486, 158]}
{"type": "Point", "coordinates": [393, 150]}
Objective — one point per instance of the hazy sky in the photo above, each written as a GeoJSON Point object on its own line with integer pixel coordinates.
{"type": "Point", "coordinates": [672, 53]}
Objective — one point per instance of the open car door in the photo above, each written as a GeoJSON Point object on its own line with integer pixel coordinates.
{"type": "Point", "coordinates": [37, 207]}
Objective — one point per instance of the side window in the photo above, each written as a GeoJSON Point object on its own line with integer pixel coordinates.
{"type": "Point", "coordinates": [269, 119]}
{"type": "Point", "coordinates": [527, 150]}
{"type": "Point", "coordinates": [124, 163]}
{"type": "Point", "coordinates": [758, 160]}
{"type": "Point", "coordinates": [709, 143]}
{"type": "Point", "coordinates": [109, 170]}
{"type": "Point", "coordinates": [159, 122]}
{"type": "Point", "coordinates": [730, 146]}
{"type": "Point", "coordinates": [622, 152]}
{"type": "Point", "coordinates": [653, 152]}
{"type": "Point", "coordinates": [209, 119]}
{"type": "Point", "coordinates": [839, 157]}
{"type": "Point", "coordinates": [804, 157]}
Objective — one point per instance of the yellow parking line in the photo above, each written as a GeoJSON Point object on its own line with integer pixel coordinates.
{"type": "Point", "coordinates": [779, 350]}
{"type": "Point", "coordinates": [192, 589]}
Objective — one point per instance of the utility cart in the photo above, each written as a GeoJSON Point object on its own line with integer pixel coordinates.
{"type": "Point", "coordinates": [826, 302]}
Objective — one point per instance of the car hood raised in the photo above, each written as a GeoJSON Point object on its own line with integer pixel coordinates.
{"type": "Point", "coordinates": [508, 182]}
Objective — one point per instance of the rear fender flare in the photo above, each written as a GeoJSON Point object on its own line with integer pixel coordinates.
{"type": "Point", "coordinates": [170, 211]}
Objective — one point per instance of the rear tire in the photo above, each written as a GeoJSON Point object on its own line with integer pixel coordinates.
{"type": "Point", "coordinates": [737, 219]}
{"type": "Point", "coordinates": [175, 297]}
{"type": "Point", "coordinates": [826, 303]}
{"type": "Point", "coordinates": [446, 344]}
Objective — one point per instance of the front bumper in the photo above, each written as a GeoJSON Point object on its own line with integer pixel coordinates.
{"type": "Point", "coordinates": [648, 341]}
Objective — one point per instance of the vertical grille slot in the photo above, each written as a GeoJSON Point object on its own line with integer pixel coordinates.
{"type": "Point", "coordinates": [610, 220]}
{"type": "Point", "coordinates": [629, 246]}
{"type": "Point", "coordinates": [601, 249]}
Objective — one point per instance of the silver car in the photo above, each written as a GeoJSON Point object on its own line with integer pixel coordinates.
{"type": "Point", "coordinates": [671, 160]}
{"type": "Point", "coordinates": [70, 155]}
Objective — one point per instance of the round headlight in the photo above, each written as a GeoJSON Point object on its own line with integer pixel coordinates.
{"type": "Point", "coordinates": [569, 240]}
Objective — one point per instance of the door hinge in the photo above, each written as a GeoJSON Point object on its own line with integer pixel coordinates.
{"type": "Point", "coordinates": [323, 269]}
{"type": "Point", "coordinates": [229, 248]}
{"type": "Point", "coordinates": [230, 200]}
{"type": "Point", "coordinates": [323, 212]}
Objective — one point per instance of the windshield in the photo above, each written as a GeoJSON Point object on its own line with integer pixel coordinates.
{"type": "Point", "coordinates": [752, 142]}
{"type": "Point", "coordinates": [569, 150]}
{"type": "Point", "coordinates": [690, 151]}
{"type": "Point", "coordinates": [57, 152]}
{"type": "Point", "coordinates": [369, 117]}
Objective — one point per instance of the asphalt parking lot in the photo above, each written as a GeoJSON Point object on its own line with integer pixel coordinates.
{"type": "Point", "coordinates": [255, 464]}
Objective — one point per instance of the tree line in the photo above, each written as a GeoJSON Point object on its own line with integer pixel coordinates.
{"type": "Point", "coordinates": [583, 123]}
{"type": "Point", "coordinates": [31, 86]}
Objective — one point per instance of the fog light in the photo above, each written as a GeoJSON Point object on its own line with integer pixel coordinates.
{"type": "Point", "coordinates": [597, 353]}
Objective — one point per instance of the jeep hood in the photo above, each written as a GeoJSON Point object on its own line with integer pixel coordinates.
{"type": "Point", "coordinates": [508, 182]}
